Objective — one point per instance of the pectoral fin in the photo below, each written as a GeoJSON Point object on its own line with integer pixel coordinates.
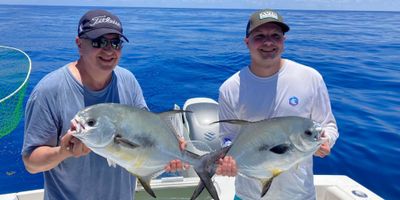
{"type": "Point", "coordinates": [145, 182]}
{"type": "Point", "coordinates": [125, 142]}
{"type": "Point", "coordinates": [111, 163]}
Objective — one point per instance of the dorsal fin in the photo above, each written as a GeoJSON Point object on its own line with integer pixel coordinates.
{"type": "Point", "coordinates": [166, 114]}
{"type": "Point", "coordinates": [233, 121]}
{"type": "Point", "coordinates": [168, 118]}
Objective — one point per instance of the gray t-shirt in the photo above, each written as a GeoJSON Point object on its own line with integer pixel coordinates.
{"type": "Point", "coordinates": [53, 103]}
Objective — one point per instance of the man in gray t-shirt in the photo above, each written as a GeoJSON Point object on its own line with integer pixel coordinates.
{"type": "Point", "coordinates": [70, 170]}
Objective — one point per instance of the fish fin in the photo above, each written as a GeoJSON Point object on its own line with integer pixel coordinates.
{"type": "Point", "coordinates": [145, 182]}
{"type": "Point", "coordinates": [297, 166]}
{"type": "Point", "coordinates": [280, 149]}
{"type": "Point", "coordinates": [267, 184]}
{"type": "Point", "coordinates": [200, 187]}
{"type": "Point", "coordinates": [233, 121]}
{"type": "Point", "coordinates": [125, 142]}
{"type": "Point", "coordinates": [173, 128]}
{"type": "Point", "coordinates": [276, 172]}
{"type": "Point", "coordinates": [158, 173]}
{"type": "Point", "coordinates": [174, 122]}
{"type": "Point", "coordinates": [205, 179]}
{"type": "Point", "coordinates": [111, 163]}
{"type": "Point", "coordinates": [172, 112]}
{"type": "Point", "coordinates": [205, 176]}
{"type": "Point", "coordinates": [208, 158]}
{"type": "Point", "coordinates": [191, 154]}
{"type": "Point", "coordinates": [167, 114]}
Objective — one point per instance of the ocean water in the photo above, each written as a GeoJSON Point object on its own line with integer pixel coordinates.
{"type": "Point", "coordinates": [178, 54]}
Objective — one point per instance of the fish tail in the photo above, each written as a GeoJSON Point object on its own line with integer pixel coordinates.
{"type": "Point", "coordinates": [198, 190]}
{"type": "Point", "coordinates": [205, 179]}
{"type": "Point", "coordinates": [206, 171]}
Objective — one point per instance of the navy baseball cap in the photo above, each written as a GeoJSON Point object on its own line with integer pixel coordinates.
{"type": "Point", "coordinates": [96, 23]}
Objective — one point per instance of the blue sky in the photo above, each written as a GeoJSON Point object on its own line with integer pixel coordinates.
{"type": "Point", "coordinates": [377, 5]}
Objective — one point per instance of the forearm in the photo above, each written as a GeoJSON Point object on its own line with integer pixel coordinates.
{"type": "Point", "coordinates": [322, 113]}
{"type": "Point", "coordinates": [331, 132]}
{"type": "Point", "coordinates": [44, 158]}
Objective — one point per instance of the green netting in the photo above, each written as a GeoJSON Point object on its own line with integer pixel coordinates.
{"type": "Point", "coordinates": [15, 68]}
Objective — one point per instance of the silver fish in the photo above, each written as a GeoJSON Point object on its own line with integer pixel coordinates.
{"type": "Point", "coordinates": [140, 141]}
{"type": "Point", "coordinates": [266, 148]}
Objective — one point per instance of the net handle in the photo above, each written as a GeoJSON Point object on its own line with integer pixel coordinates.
{"type": "Point", "coordinates": [27, 75]}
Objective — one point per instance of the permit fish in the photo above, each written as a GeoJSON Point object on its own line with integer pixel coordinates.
{"type": "Point", "coordinates": [140, 141]}
{"type": "Point", "coordinates": [264, 149]}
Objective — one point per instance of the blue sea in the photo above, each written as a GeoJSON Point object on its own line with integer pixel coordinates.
{"type": "Point", "coordinates": [178, 54]}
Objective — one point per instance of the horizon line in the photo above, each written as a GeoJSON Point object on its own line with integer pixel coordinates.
{"type": "Point", "coordinates": [215, 8]}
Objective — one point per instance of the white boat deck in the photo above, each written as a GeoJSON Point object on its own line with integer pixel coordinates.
{"type": "Point", "coordinates": [328, 187]}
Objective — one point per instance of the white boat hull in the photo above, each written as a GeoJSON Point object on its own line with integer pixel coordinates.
{"type": "Point", "coordinates": [328, 187]}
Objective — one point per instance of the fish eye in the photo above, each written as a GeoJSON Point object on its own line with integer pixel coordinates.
{"type": "Point", "coordinates": [308, 132]}
{"type": "Point", "coordinates": [91, 122]}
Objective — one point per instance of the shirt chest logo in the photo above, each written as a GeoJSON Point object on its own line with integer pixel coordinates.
{"type": "Point", "coordinates": [293, 101]}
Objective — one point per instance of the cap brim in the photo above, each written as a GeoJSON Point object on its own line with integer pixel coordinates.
{"type": "Point", "coordinates": [285, 28]}
{"type": "Point", "coordinates": [93, 34]}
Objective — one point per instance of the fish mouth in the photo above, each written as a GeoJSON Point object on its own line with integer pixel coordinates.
{"type": "Point", "coordinates": [303, 145]}
{"type": "Point", "coordinates": [86, 132]}
{"type": "Point", "coordinates": [318, 138]}
{"type": "Point", "coordinates": [79, 129]}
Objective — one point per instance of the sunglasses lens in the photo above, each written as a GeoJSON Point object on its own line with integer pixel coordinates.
{"type": "Point", "coordinates": [103, 42]}
{"type": "Point", "coordinates": [116, 43]}
{"type": "Point", "coordinates": [96, 43]}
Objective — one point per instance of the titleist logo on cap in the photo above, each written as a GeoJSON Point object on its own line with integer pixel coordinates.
{"type": "Point", "coordinates": [268, 14]}
{"type": "Point", "coordinates": [103, 19]}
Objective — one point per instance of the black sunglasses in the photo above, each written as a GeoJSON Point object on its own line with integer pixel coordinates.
{"type": "Point", "coordinates": [102, 42]}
